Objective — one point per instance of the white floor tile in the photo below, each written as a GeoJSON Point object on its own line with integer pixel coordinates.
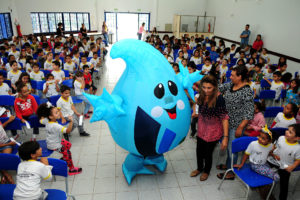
{"type": "Point", "coordinates": [105, 185]}
{"type": "Point", "coordinates": [171, 194]}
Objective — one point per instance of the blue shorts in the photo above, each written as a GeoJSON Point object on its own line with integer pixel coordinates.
{"type": "Point", "coordinates": [6, 147]}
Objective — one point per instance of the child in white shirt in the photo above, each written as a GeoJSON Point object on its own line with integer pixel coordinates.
{"type": "Point", "coordinates": [276, 84]}
{"type": "Point", "coordinates": [48, 63]}
{"type": "Point", "coordinates": [14, 51]}
{"type": "Point", "coordinates": [4, 88]}
{"type": "Point", "coordinates": [206, 67]}
{"type": "Point", "coordinates": [57, 72]}
{"type": "Point", "coordinates": [96, 61]}
{"type": "Point", "coordinates": [196, 58]}
{"type": "Point", "coordinates": [223, 69]}
{"type": "Point", "coordinates": [287, 117]}
{"type": "Point", "coordinates": [36, 74]}
{"type": "Point", "coordinates": [76, 58]}
{"type": "Point", "coordinates": [50, 88]}
{"type": "Point", "coordinates": [13, 75]}
{"type": "Point", "coordinates": [31, 172]}
{"type": "Point", "coordinates": [69, 65]}
{"type": "Point", "coordinates": [180, 57]}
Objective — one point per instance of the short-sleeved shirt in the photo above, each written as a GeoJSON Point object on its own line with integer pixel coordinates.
{"type": "Point", "coordinates": [277, 87]}
{"type": "Point", "coordinates": [246, 39]}
{"type": "Point", "coordinates": [8, 67]}
{"type": "Point", "coordinates": [95, 62]}
{"type": "Point", "coordinates": [69, 66]}
{"type": "Point", "coordinates": [77, 87]}
{"type": "Point", "coordinates": [15, 53]}
{"type": "Point", "coordinates": [223, 70]}
{"type": "Point", "coordinates": [54, 134]}
{"type": "Point", "coordinates": [4, 89]}
{"type": "Point", "coordinates": [48, 65]}
{"type": "Point", "coordinates": [65, 106]}
{"type": "Point", "coordinates": [258, 153]}
{"type": "Point", "coordinates": [76, 60]}
{"type": "Point", "coordinates": [3, 136]}
{"type": "Point", "coordinates": [282, 121]}
{"type": "Point", "coordinates": [87, 63]}
{"type": "Point", "coordinates": [267, 74]}
{"type": "Point", "coordinates": [287, 152]}
{"type": "Point", "coordinates": [207, 68]}
{"type": "Point", "coordinates": [51, 89]}
{"type": "Point", "coordinates": [37, 76]}
{"type": "Point", "coordinates": [29, 176]}
{"type": "Point", "coordinates": [196, 60]}
{"type": "Point", "coordinates": [13, 76]}
{"type": "Point", "coordinates": [292, 97]}
{"type": "Point", "coordinates": [58, 75]}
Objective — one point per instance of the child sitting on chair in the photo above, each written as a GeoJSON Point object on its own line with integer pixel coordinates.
{"type": "Point", "coordinates": [254, 127]}
{"type": "Point", "coordinates": [31, 172]}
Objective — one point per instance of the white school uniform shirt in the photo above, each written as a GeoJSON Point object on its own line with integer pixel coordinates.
{"type": "Point", "coordinates": [258, 153]}
{"type": "Point", "coordinates": [86, 47]}
{"type": "Point", "coordinates": [29, 176]}
{"type": "Point", "coordinates": [87, 63]}
{"type": "Point", "coordinates": [91, 54]}
{"type": "Point", "coordinates": [54, 134]}
{"type": "Point", "coordinates": [8, 68]}
{"type": "Point", "coordinates": [15, 53]}
{"type": "Point", "coordinates": [178, 60]}
{"type": "Point", "coordinates": [287, 152]}
{"type": "Point", "coordinates": [186, 55]}
{"type": "Point", "coordinates": [58, 75]}
{"type": "Point", "coordinates": [48, 65]}
{"type": "Point", "coordinates": [3, 136]}
{"type": "Point", "coordinates": [282, 121]}
{"type": "Point", "coordinates": [81, 50]}
{"type": "Point", "coordinates": [13, 76]}
{"type": "Point", "coordinates": [77, 88]}
{"type": "Point", "coordinates": [192, 44]}
{"type": "Point", "coordinates": [267, 74]}
{"type": "Point", "coordinates": [65, 106]}
{"type": "Point", "coordinates": [252, 86]}
{"type": "Point", "coordinates": [4, 89]}
{"type": "Point", "coordinates": [208, 68]}
{"type": "Point", "coordinates": [223, 70]}
{"type": "Point", "coordinates": [37, 76]}
{"type": "Point", "coordinates": [95, 62]}
{"type": "Point", "coordinates": [76, 60]}
{"type": "Point", "coordinates": [58, 50]}
{"type": "Point", "coordinates": [170, 59]}
{"type": "Point", "coordinates": [70, 67]}
{"type": "Point", "coordinates": [197, 61]}
{"type": "Point", "coordinates": [28, 67]}
{"type": "Point", "coordinates": [51, 89]}
{"type": "Point", "coordinates": [277, 87]}
{"type": "Point", "coordinates": [23, 61]}
{"type": "Point", "coordinates": [266, 57]}
{"type": "Point", "coordinates": [249, 66]}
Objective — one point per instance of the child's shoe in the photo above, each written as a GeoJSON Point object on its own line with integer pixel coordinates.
{"type": "Point", "coordinates": [74, 171]}
{"type": "Point", "coordinates": [90, 112]}
{"type": "Point", "coordinates": [86, 116]}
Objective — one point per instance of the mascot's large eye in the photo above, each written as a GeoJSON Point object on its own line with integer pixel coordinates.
{"type": "Point", "coordinates": [159, 91]}
{"type": "Point", "coordinates": [173, 88]}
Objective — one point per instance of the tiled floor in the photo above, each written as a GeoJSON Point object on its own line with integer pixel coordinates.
{"type": "Point", "coordinates": [102, 177]}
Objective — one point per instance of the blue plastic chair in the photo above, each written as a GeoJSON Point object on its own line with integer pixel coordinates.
{"type": "Point", "coordinates": [264, 84]}
{"type": "Point", "coordinates": [268, 94]}
{"type": "Point", "coordinates": [60, 168]}
{"type": "Point", "coordinates": [249, 177]}
{"type": "Point", "coordinates": [46, 72]}
{"type": "Point", "coordinates": [14, 125]}
{"type": "Point", "coordinates": [8, 162]}
{"type": "Point", "coordinates": [4, 73]}
{"type": "Point", "coordinates": [272, 111]}
{"type": "Point", "coordinates": [67, 73]}
{"type": "Point", "coordinates": [8, 82]}
{"type": "Point", "coordinates": [7, 100]}
{"type": "Point", "coordinates": [89, 58]}
{"type": "Point", "coordinates": [38, 99]}
{"type": "Point", "coordinates": [45, 151]}
{"type": "Point", "coordinates": [68, 83]}
{"type": "Point", "coordinates": [54, 99]}
{"type": "Point", "coordinates": [199, 67]}
{"type": "Point", "coordinates": [277, 132]}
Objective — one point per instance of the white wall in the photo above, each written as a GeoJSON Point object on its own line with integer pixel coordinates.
{"type": "Point", "coordinates": [8, 6]}
{"type": "Point", "coordinates": [276, 20]}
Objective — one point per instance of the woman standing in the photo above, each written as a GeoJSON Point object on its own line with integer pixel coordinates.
{"type": "Point", "coordinates": [60, 29]}
{"type": "Point", "coordinates": [141, 31]}
{"type": "Point", "coordinates": [240, 106]}
{"type": "Point", "coordinates": [83, 30]}
{"type": "Point", "coordinates": [105, 32]}
{"type": "Point", "coordinates": [212, 123]}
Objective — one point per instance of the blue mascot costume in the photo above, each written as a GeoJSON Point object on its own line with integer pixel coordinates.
{"type": "Point", "coordinates": [148, 112]}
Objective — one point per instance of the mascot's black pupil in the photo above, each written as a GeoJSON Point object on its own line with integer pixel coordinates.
{"type": "Point", "coordinates": [159, 91]}
{"type": "Point", "coordinates": [173, 88]}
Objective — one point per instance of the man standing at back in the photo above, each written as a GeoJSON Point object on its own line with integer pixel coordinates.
{"type": "Point", "coordinates": [245, 37]}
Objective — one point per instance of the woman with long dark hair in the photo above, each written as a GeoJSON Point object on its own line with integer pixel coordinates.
{"type": "Point", "coordinates": [212, 125]}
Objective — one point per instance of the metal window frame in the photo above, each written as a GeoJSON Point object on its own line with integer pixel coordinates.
{"type": "Point", "coordinates": [6, 25]}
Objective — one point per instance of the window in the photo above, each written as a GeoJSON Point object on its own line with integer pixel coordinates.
{"type": "Point", "coordinates": [5, 26]}
{"type": "Point", "coordinates": [48, 22]}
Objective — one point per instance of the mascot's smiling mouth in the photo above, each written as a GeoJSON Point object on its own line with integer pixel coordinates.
{"type": "Point", "coordinates": [171, 112]}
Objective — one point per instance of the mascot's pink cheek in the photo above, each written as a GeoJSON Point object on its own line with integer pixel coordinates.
{"type": "Point", "coordinates": [157, 111]}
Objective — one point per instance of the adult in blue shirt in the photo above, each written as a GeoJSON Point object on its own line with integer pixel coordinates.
{"type": "Point", "coordinates": [245, 37]}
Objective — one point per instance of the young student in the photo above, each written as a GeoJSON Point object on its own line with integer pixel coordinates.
{"type": "Point", "coordinates": [36, 74]}
{"type": "Point", "coordinates": [25, 106]}
{"type": "Point", "coordinates": [56, 58]}
{"type": "Point", "coordinates": [250, 64]}
{"type": "Point", "coordinates": [88, 80]}
{"type": "Point", "coordinates": [258, 122]}
{"type": "Point", "coordinates": [232, 49]}
{"type": "Point", "coordinates": [276, 84]}
{"type": "Point", "coordinates": [286, 157]}
{"type": "Point", "coordinates": [258, 152]}
{"type": "Point", "coordinates": [223, 70]}
{"type": "Point", "coordinates": [25, 78]}
{"type": "Point", "coordinates": [22, 58]}
{"type": "Point", "coordinates": [85, 62]}
{"type": "Point", "coordinates": [51, 87]}
{"type": "Point", "coordinates": [180, 57]}
{"type": "Point", "coordinates": [11, 58]}
{"type": "Point", "coordinates": [257, 77]}
{"type": "Point", "coordinates": [196, 58]}
{"type": "Point", "coordinates": [14, 51]}
{"type": "Point", "coordinates": [268, 72]}
{"type": "Point", "coordinates": [4, 88]}
{"type": "Point", "coordinates": [57, 72]}
{"type": "Point", "coordinates": [31, 172]}
{"type": "Point", "coordinates": [79, 85]}
{"type": "Point", "coordinates": [207, 66]}
{"type": "Point", "coordinates": [287, 117]}
{"type": "Point", "coordinates": [48, 63]}
{"type": "Point", "coordinates": [96, 61]}
{"type": "Point", "coordinates": [67, 110]}
{"type": "Point", "coordinates": [292, 95]}
{"type": "Point", "coordinates": [76, 57]}
{"type": "Point", "coordinates": [69, 65]}
{"type": "Point", "coordinates": [13, 75]}
{"type": "Point", "coordinates": [184, 62]}
{"type": "Point", "coordinates": [175, 68]}
{"type": "Point", "coordinates": [28, 65]}
{"type": "Point", "coordinates": [48, 116]}
{"type": "Point", "coordinates": [264, 55]}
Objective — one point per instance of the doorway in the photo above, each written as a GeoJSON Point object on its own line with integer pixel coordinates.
{"type": "Point", "coordinates": [125, 25]}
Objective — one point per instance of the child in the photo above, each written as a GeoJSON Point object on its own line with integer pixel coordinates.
{"type": "Point", "coordinates": [223, 70]}
{"type": "Point", "coordinates": [264, 55]}
{"type": "Point", "coordinates": [180, 57]}
{"type": "Point", "coordinates": [255, 125]}
{"type": "Point", "coordinates": [276, 84]}
{"type": "Point", "coordinates": [50, 88]}
{"type": "Point", "coordinates": [13, 75]}
{"type": "Point", "coordinates": [29, 62]}
{"type": "Point", "coordinates": [176, 68]}
{"type": "Point", "coordinates": [67, 110]}
{"type": "Point", "coordinates": [57, 58]}
{"type": "Point", "coordinates": [36, 74]}
{"type": "Point", "coordinates": [41, 57]}
{"type": "Point", "coordinates": [22, 58]}
{"type": "Point", "coordinates": [257, 77]}
{"type": "Point", "coordinates": [96, 61]}
{"type": "Point", "coordinates": [11, 58]}
{"type": "Point", "coordinates": [79, 86]}
{"type": "Point", "coordinates": [69, 65]}
{"type": "Point", "coordinates": [292, 95]}
{"type": "Point", "coordinates": [258, 152]}
{"type": "Point", "coordinates": [76, 57]}
{"type": "Point", "coordinates": [48, 116]}
{"type": "Point", "coordinates": [25, 106]}
{"type": "Point", "coordinates": [48, 63]}
{"type": "Point", "coordinates": [25, 78]}
{"type": "Point", "coordinates": [268, 72]}
{"type": "Point", "coordinates": [57, 73]}
{"type": "Point", "coordinates": [196, 58]}
{"type": "Point", "coordinates": [88, 80]}
{"type": "Point", "coordinates": [250, 64]}
{"type": "Point", "coordinates": [84, 62]}
{"type": "Point", "coordinates": [31, 172]}
{"type": "Point", "coordinates": [184, 62]}
{"type": "Point", "coordinates": [14, 51]}
{"type": "Point", "coordinates": [287, 117]}
{"type": "Point", "coordinates": [4, 88]}
{"type": "Point", "coordinates": [286, 157]}
{"type": "Point", "coordinates": [206, 67]}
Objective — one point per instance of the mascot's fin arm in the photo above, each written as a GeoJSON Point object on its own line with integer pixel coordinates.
{"type": "Point", "coordinates": [106, 106]}
{"type": "Point", "coordinates": [188, 79]}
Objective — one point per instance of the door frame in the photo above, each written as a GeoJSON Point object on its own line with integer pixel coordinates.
{"type": "Point", "coordinates": [149, 14]}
